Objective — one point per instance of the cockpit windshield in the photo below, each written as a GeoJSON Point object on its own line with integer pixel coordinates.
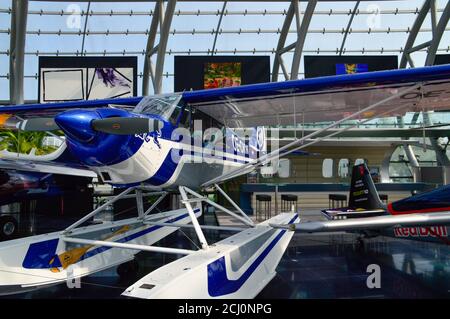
{"type": "Point", "coordinates": [165, 106]}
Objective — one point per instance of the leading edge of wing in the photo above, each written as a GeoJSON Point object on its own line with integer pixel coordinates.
{"type": "Point", "coordinates": [69, 105]}
{"type": "Point", "coordinates": [361, 80]}
{"type": "Point", "coordinates": [378, 222]}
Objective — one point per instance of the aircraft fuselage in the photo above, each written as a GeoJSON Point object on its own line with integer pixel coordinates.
{"type": "Point", "coordinates": [190, 148]}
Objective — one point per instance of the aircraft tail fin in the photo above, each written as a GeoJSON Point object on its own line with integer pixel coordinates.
{"type": "Point", "coordinates": [363, 193]}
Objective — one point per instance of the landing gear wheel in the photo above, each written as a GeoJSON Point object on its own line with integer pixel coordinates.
{"type": "Point", "coordinates": [8, 227]}
{"type": "Point", "coordinates": [129, 268]}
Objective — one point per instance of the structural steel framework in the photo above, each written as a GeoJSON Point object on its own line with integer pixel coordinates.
{"type": "Point", "coordinates": [160, 29]}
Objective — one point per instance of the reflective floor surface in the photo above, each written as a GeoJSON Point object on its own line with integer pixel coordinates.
{"type": "Point", "coordinates": [314, 266]}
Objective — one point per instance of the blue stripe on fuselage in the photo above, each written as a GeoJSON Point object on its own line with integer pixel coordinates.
{"type": "Point", "coordinates": [168, 166]}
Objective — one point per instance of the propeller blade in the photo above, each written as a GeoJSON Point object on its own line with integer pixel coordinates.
{"type": "Point", "coordinates": [127, 125]}
{"type": "Point", "coordinates": [34, 124]}
{"type": "Point", "coordinates": [38, 124]}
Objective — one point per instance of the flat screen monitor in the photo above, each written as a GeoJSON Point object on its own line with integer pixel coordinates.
{"type": "Point", "coordinates": [210, 72]}
{"type": "Point", "coordinates": [324, 65]}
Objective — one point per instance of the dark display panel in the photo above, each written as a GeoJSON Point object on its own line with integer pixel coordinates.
{"type": "Point", "coordinates": [207, 72]}
{"type": "Point", "coordinates": [323, 65]}
{"type": "Point", "coordinates": [442, 59]}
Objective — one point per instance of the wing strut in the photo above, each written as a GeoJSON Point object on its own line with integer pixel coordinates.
{"type": "Point", "coordinates": [125, 194]}
{"type": "Point", "coordinates": [197, 198]}
{"type": "Point", "coordinates": [187, 202]}
{"type": "Point", "coordinates": [234, 205]}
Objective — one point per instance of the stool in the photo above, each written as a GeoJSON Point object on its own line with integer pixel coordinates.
{"type": "Point", "coordinates": [384, 198]}
{"type": "Point", "coordinates": [263, 201]}
{"type": "Point", "coordinates": [340, 199]}
{"type": "Point", "coordinates": [287, 201]}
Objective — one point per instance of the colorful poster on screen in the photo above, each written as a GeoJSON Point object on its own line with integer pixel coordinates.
{"type": "Point", "coordinates": [221, 74]}
{"type": "Point", "coordinates": [351, 68]}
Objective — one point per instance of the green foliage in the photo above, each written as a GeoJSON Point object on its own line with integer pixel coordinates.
{"type": "Point", "coordinates": [24, 142]}
{"type": "Point", "coordinates": [225, 69]}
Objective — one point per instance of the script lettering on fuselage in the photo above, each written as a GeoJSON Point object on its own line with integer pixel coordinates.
{"type": "Point", "coordinates": [144, 136]}
{"type": "Point", "coordinates": [433, 231]}
{"type": "Point", "coordinates": [147, 137]}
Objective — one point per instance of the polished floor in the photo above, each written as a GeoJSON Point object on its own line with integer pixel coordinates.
{"type": "Point", "coordinates": [314, 266]}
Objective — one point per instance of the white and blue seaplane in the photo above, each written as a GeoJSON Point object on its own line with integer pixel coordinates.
{"type": "Point", "coordinates": [187, 143]}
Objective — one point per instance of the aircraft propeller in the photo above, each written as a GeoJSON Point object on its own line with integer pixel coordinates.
{"type": "Point", "coordinates": [127, 125]}
{"type": "Point", "coordinates": [111, 125]}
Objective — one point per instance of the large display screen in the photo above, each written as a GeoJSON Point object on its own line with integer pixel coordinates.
{"type": "Point", "coordinates": [209, 72]}
{"type": "Point", "coordinates": [325, 65]}
{"type": "Point", "coordinates": [221, 74]}
{"type": "Point", "coordinates": [86, 78]}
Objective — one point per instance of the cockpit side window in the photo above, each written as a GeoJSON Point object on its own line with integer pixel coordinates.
{"type": "Point", "coordinates": [185, 118]}
{"type": "Point", "coordinates": [165, 106]}
{"type": "Point", "coordinates": [206, 120]}
{"type": "Point", "coordinates": [173, 118]}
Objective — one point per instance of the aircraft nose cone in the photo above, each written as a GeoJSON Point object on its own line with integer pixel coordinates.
{"type": "Point", "coordinates": [76, 124]}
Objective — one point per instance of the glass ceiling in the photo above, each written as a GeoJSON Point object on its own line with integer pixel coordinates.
{"type": "Point", "coordinates": [247, 28]}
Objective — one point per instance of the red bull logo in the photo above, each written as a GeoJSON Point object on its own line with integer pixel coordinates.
{"type": "Point", "coordinates": [361, 170]}
{"type": "Point", "coordinates": [434, 231]}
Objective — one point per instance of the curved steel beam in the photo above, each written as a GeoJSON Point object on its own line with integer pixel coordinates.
{"type": "Point", "coordinates": [437, 35]}
{"type": "Point", "coordinates": [384, 170]}
{"type": "Point", "coordinates": [407, 148]}
{"type": "Point", "coordinates": [17, 50]}
{"type": "Point", "coordinates": [218, 27]}
{"type": "Point", "coordinates": [438, 31]}
{"type": "Point", "coordinates": [441, 155]}
{"type": "Point", "coordinates": [148, 66]}
{"type": "Point", "coordinates": [163, 38]}
{"type": "Point", "coordinates": [301, 38]}
{"type": "Point", "coordinates": [350, 21]}
{"type": "Point", "coordinates": [282, 41]}
{"type": "Point", "coordinates": [413, 34]}
{"type": "Point", "coordinates": [85, 27]}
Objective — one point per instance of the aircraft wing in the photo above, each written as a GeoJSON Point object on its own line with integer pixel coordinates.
{"type": "Point", "coordinates": [332, 99]}
{"type": "Point", "coordinates": [368, 223]}
{"type": "Point", "coordinates": [26, 111]}
{"type": "Point", "coordinates": [326, 99]}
